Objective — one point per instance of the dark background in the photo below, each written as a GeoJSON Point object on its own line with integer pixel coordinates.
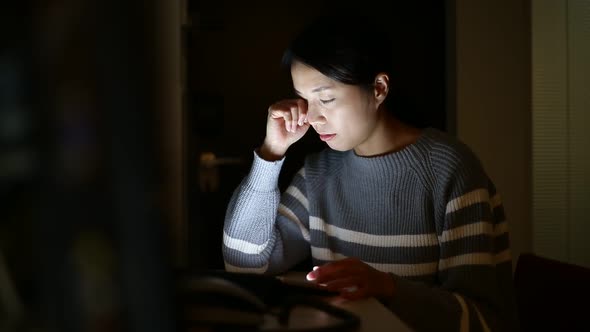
{"type": "Point", "coordinates": [83, 237]}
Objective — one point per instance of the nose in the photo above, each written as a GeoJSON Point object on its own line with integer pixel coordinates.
{"type": "Point", "coordinates": [315, 116]}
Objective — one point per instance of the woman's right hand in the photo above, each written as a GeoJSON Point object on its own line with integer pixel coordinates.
{"type": "Point", "coordinates": [286, 124]}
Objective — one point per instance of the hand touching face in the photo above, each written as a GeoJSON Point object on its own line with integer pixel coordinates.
{"type": "Point", "coordinates": [286, 124]}
{"type": "Point", "coordinates": [344, 115]}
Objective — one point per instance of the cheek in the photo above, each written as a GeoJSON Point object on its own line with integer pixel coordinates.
{"type": "Point", "coordinates": [360, 113]}
{"type": "Point", "coordinates": [361, 120]}
{"type": "Point", "coordinates": [355, 122]}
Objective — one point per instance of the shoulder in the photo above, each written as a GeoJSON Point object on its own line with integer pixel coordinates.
{"type": "Point", "coordinates": [447, 151]}
{"type": "Point", "coordinates": [453, 160]}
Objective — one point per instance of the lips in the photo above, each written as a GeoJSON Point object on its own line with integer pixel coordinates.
{"type": "Point", "coordinates": [327, 137]}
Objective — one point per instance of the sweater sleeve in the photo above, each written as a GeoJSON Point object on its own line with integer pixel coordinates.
{"type": "Point", "coordinates": [474, 289]}
{"type": "Point", "coordinates": [264, 231]}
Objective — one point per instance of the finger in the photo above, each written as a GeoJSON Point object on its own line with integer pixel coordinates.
{"type": "Point", "coordinates": [352, 288]}
{"type": "Point", "coordinates": [277, 113]}
{"type": "Point", "coordinates": [311, 276]}
{"type": "Point", "coordinates": [348, 284]}
{"type": "Point", "coordinates": [278, 110]}
{"type": "Point", "coordinates": [325, 276]}
{"type": "Point", "coordinates": [287, 117]}
{"type": "Point", "coordinates": [294, 117]}
{"type": "Point", "coordinates": [302, 111]}
{"type": "Point", "coordinates": [337, 270]}
{"type": "Point", "coordinates": [301, 118]}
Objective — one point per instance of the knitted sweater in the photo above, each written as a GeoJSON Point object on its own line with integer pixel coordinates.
{"type": "Point", "coordinates": [427, 214]}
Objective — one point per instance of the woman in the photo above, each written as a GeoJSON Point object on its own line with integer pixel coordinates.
{"type": "Point", "coordinates": [403, 214]}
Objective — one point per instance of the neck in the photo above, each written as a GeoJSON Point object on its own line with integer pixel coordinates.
{"type": "Point", "coordinates": [389, 135]}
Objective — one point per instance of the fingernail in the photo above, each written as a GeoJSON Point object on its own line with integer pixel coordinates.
{"type": "Point", "coordinates": [310, 276]}
{"type": "Point", "coordinates": [315, 268]}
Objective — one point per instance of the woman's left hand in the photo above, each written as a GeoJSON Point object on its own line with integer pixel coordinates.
{"type": "Point", "coordinates": [353, 279]}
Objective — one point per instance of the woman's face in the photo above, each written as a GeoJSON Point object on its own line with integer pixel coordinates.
{"type": "Point", "coordinates": [344, 116]}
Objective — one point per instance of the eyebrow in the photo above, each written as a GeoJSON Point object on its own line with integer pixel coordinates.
{"type": "Point", "coordinates": [318, 89]}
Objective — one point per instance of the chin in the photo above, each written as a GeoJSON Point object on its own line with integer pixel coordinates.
{"type": "Point", "coordinates": [338, 147]}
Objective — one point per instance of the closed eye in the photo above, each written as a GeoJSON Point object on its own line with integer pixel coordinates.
{"type": "Point", "coordinates": [326, 101]}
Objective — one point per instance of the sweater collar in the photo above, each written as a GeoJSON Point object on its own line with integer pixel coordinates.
{"type": "Point", "coordinates": [397, 159]}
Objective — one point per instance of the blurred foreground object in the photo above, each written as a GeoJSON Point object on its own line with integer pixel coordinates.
{"type": "Point", "coordinates": [83, 231]}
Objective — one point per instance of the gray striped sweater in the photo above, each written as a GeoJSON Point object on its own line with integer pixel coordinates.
{"type": "Point", "coordinates": [427, 214]}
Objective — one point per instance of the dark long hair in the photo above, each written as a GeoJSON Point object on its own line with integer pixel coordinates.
{"type": "Point", "coordinates": [348, 49]}
{"type": "Point", "coordinates": [352, 49]}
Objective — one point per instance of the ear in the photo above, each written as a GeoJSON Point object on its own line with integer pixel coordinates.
{"type": "Point", "coordinates": [381, 87]}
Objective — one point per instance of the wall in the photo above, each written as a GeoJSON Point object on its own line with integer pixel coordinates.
{"type": "Point", "coordinates": [561, 159]}
{"type": "Point", "coordinates": [493, 101]}
{"type": "Point", "coordinates": [169, 99]}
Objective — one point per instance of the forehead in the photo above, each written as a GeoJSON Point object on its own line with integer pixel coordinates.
{"type": "Point", "coordinates": [306, 78]}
